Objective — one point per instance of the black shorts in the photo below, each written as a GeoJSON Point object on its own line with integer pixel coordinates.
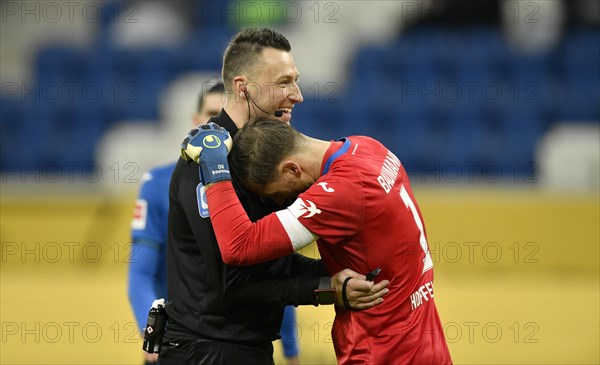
{"type": "Point", "coordinates": [202, 351]}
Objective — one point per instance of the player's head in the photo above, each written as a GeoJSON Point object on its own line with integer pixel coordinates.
{"type": "Point", "coordinates": [267, 157]}
{"type": "Point", "coordinates": [210, 102]}
{"type": "Point", "coordinates": [259, 73]}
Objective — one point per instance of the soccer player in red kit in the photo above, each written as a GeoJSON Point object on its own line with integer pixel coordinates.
{"type": "Point", "coordinates": [353, 196]}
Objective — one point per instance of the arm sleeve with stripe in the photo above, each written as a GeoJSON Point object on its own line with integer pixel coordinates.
{"type": "Point", "coordinates": [242, 242]}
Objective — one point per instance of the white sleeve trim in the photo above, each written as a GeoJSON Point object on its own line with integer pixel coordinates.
{"type": "Point", "coordinates": [299, 235]}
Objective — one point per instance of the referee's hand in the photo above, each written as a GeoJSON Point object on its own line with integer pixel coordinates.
{"type": "Point", "coordinates": [360, 293]}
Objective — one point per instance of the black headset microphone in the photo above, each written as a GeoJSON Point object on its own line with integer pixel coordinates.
{"type": "Point", "coordinates": [277, 113]}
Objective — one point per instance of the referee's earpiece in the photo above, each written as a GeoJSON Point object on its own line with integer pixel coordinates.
{"type": "Point", "coordinates": [245, 95]}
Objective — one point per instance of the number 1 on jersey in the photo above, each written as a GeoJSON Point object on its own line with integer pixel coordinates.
{"type": "Point", "coordinates": [427, 262]}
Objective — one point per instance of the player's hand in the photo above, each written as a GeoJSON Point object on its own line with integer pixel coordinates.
{"type": "Point", "coordinates": [150, 358]}
{"type": "Point", "coordinates": [208, 146]}
{"type": "Point", "coordinates": [361, 294]}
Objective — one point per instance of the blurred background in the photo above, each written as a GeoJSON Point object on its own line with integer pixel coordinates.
{"type": "Point", "coordinates": [492, 106]}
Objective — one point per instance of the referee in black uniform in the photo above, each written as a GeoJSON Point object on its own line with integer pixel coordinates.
{"type": "Point", "coordinates": [221, 314]}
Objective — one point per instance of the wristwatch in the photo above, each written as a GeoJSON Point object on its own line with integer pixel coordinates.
{"type": "Point", "coordinates": [325, 294]}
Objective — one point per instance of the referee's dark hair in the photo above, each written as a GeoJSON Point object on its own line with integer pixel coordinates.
{"type": "Point", "coordinates": [212, 86]}
{"type": "Point", "coordinates": [258, 148]}
{"type": "Point", "coordinates": [245, 47]}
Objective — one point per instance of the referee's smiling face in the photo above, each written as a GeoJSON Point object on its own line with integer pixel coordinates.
{"type": "Point", "coordinates": [275, 84]}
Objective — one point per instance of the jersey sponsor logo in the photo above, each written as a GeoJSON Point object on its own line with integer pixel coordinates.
{"type": "Point", "coordinates": [304, 210]}
{"type": "Point", "coordinates": [202, 202]}
{"type": "Point", "coordinates": [421, 295]}
{"type": "Point", "coordinates": [389, 172]}
{"type": "Point", "coordinates": [140, 214]}
{"type": "Point", "coordinates": [326, 188]}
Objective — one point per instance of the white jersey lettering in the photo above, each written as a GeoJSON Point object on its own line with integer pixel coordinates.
{"type": "Point", "coordinates": [389, 172]}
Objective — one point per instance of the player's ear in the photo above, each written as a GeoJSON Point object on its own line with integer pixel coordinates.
{"type": "Point", "coordinates": [291, 169]}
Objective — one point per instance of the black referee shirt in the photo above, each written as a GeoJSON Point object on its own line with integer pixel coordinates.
{"type": "Point", "coordinates": [211, 300]}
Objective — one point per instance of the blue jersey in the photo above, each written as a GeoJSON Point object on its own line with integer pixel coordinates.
{"type": "Point", "coordinates": [147, 267]}
{"type": "Point", "coordinates": [152, 207]}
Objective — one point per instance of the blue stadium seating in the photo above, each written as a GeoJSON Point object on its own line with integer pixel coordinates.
{"type": "Point", "coordinates": [60, 64]}
{"type": "Point", "coordinates": [319, 117]}
{"type": "Point", "coordinates": [439, 95]}
{"type": "Point", "coordinates": [11, 115]}
{"type": "Point", "coordinates": [581, 91]}
{"type": "Point", "coordinates": [479, 99]}
{"type": "Point", "coordinates": [203, 50]}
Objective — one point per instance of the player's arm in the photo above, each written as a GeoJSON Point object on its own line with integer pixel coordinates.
{"type": "Point", "coordinates": [241, 242]}
{"type": "Point", "coordinates": [245, 243]}
{"type": "Point", "coordinates": [289, 337]}
{"type": "Point", "coordinates": [145, 253]}
{"type": "Point", "coordinates": [143, 268]}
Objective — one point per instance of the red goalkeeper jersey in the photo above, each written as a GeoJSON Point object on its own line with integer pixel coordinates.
{"type": "Point", "coordinates": [363, 212]}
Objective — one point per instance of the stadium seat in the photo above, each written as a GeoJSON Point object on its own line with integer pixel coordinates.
{"type": "Point", "coordinates": [414, 140]}
{"type": "Point", "coordinates": [130, 81]}
{"type": "Point", "coordinates": [202, 51]}
{"type": "Point", "coordinates": [582, 50]}
{"type": "Point", "coordinates": [37, 124]}
{"type": "Point", "coordinates": [60, 64]}
{"type": "Point", "coordinates": [11, 120]}
{"type": "Point", "coordinates": [581, 89]}
{"type": "Point", "coordinates": [464, 134]}
{"type": "Point", "coordinates": [580, 100]}
{"type": "Point", "coordinates": [522, 127]}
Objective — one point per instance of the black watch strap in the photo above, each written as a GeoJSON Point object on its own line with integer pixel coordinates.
{"type": "Point", "coordinates": [325, 294]}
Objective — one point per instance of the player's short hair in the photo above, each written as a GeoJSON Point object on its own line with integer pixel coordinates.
{"type": "Point", "coordinates": [244, 49]}
{"type": "Point", "coordinates": [258, 148]}
{"type": "Point", "coordinates": [210, 87]}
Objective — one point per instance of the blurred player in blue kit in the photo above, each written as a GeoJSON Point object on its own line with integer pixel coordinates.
{"type": "Point", "coordinates": [147, 268]}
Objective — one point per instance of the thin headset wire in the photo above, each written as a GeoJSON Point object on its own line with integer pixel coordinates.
{"type": "Point", "coordinates": [248, 100]}
{"type": "Point", "coordinates": [247, 103]}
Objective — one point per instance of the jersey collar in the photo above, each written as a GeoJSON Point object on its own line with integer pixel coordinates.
{"type": "Point", "coordinates": [336, 154]}
{"type": "Point", "coordinates": [224, 120]}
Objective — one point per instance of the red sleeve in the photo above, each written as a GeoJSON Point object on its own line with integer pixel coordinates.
{"type": "Point", "coordinates": [242, 242]}
{"type": "Point", "coordinates": [337, 205]}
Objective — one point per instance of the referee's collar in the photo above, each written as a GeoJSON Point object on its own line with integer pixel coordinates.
{"type": "Point", "coordinates": [224, 120]}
